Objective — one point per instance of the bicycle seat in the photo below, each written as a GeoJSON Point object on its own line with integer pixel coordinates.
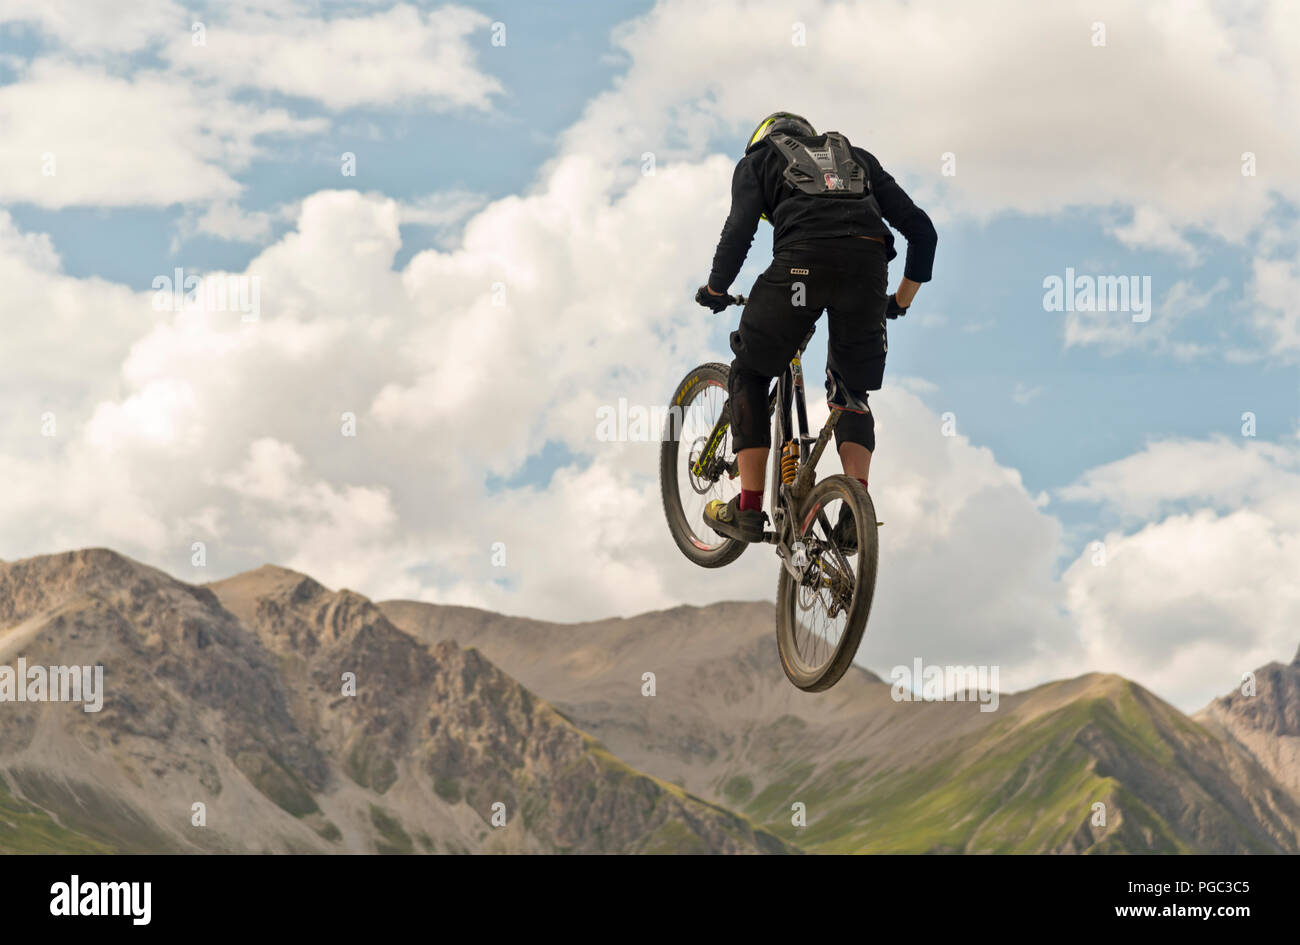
{"type": "Point", "coordinates": [839, 397]}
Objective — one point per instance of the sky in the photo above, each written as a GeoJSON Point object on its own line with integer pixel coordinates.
{"type": "Point", "coordinates": [456, 232]}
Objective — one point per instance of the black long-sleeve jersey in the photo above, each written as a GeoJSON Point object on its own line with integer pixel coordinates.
{"type": "Point", "coordinates": [758, 187]}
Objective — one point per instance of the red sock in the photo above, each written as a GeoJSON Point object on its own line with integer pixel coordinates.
{"type": "Point", "coordinates": [864, 483]}
{"type": "Point", "coordinates": [751, 500]}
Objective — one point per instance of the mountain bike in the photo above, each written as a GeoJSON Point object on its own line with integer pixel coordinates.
{"type": "Point", "coordinates": [825, 587]}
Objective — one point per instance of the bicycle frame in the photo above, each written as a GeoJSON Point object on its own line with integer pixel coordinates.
{"type": "Point", "coordinates": [788, 402]}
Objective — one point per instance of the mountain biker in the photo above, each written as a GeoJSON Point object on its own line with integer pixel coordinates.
{"type": "Point", "coordinates": [828, 203]}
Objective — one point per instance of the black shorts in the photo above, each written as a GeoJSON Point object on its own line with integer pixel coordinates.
{"type": "Point", "coordinates": [845, 277]}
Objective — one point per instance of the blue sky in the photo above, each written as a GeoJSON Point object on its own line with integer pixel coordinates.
{"type": "Point", "coordinates": [521, 166]}
{"type": "Point", "coordinates": [403, 151]}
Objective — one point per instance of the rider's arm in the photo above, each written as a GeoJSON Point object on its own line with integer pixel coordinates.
{"type": "Point", "coordinates": [738, 231]}
{"type": "Point", "coordinates": [903, 215]}
{"type": "Point", "coordinates": [906, 290]}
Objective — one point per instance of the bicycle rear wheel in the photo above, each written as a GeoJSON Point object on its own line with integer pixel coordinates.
{"type": "Point", "coordinates": [698, 404]}
{"type": "Point", "coordinates": [820, 618]}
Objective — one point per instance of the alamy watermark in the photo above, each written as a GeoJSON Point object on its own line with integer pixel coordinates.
{"type": "Point", "coordinates": [78, 898]}
{"type": "Point", "coordinates": [222, 293]}
{"type": "Point", "coordinates": [921, 683]}
{"type": "Point", "coordinates": [53, 684]}
{"type": "Point", "coordinates": [1079, 293]}
{"type": "Point", "coordinates": [637, 423]}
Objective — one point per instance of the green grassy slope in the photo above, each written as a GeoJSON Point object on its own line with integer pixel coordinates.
{"type": "Point", "coordinates": [1028, 783]}
{"type": "Point", "coordinates": [28, 829]}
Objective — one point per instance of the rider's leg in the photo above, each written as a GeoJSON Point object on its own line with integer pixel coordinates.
{"type": "Point", "coordinates": [855, 433]}
{"type": "Point", "coordinates": [753, 467]}
{"type": "Point", "coordinates": [742, 518]}
{"type": "Point", "coordinates": [857, 347]}
{"type": "Point", "coordinates": [783, 305]}
{"type": "Point", "coordinates": [750, 434]}
{"type": "Point", "coordinates": [856, 350]}
{"type": "Point", "coordinates": [856, 460]}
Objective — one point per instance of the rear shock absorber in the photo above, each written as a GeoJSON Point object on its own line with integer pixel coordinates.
{"type": "Point", "coordinates": [789, 462]}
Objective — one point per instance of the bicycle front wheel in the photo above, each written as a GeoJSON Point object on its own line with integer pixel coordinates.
{"type": "Point", "coordinates": [821, 616]}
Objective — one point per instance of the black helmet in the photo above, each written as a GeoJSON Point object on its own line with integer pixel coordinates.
{"type": "Point", "coordinates": [788, 122]}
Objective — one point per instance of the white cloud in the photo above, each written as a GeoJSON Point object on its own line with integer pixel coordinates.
{"type": "Point", "coordinates": [85, 128]}
{"type": "Point", "coordinates": [1168, 145]}
{"type": "Point", "coordinates": [225, 219]}
{"type": "Point", "coordinates": [1201, 589]}
{"type": "Point", "coordinates": [1149, 228]}
{"type": "Point", "coordinates": [269, 472]}
{"type": "Point", "coordinates": [48, 361]}
{"type": "Point", "coordinates": [379, 59]}
{"type": "Point", "coordinates": [1276, 287]}
{"type": "Point", "coordinates": [161, 413]}
{"type": "Point", "coordinates": [102, 134]}
{"type": "Point", "coordinates": [1169, 475]}
{"type": "Point", "coordinates": [1188, 604]}
{"type": "Point", "coordinates": [335, 533]}
{"type": "Point", "coordinates": [94, 27]}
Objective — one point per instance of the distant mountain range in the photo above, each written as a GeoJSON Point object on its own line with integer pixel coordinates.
{"type": "Point", "coordinates": [290, 718]}
{"type": "Point", "coordinates": [878, 775]}
{"type": "Point", "coordinates": [231, 696]}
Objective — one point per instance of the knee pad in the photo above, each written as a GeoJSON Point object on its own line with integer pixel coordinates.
{"type": "Point", "coordinates": [857, 428]}
{"type": "Point", "coordinates": [748, 391]}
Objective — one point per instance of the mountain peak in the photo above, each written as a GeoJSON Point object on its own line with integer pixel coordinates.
{"type": "Point", "coordinates": [82, 560]}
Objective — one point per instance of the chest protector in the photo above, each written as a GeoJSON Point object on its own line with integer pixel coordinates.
{"type": "Point", "coordinates": [828, 171]}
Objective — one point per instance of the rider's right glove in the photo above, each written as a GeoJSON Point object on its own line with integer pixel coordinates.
{"type": "Point", "coordinates": [715, 303]}
{"type": "Point", "coordinates": [893, 309]}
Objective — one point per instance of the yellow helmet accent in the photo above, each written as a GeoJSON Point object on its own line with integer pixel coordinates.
{"type": "Point", "coordinates": [781, 121]}
{"type": "Point", "coordinates": [760, 131]}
